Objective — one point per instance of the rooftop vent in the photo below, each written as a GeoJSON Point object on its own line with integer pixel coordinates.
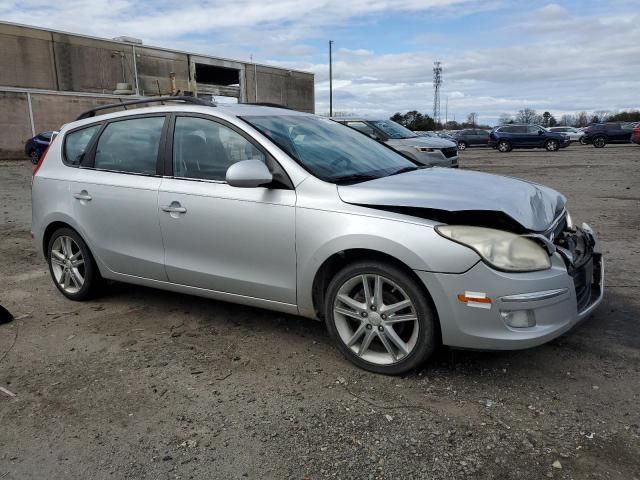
{"type": "Point", "coordinates": [126, 39]}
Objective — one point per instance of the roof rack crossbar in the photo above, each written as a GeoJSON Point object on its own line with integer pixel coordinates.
{"type": "Point", "coordinates": [181, 98]}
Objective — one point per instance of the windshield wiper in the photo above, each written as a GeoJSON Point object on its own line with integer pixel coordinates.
{"type": "Point", "coordinates": [404, 170]}
{"type": "Point", "coordinates": [355, 178]}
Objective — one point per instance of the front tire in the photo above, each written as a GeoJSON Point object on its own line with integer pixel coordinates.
{"type": "Point", "coordinates": [583, 140]}
{"type": "Point", "coordinates": [379, 318]}
{"type": "Point", "coordinates": [552, 145]}
{"type": "Point", "coordinates": [504, 146]}
{"type": "Point", "coordinates": [599, 142]}
{"type": "Point", "coordinates": [71, 265]}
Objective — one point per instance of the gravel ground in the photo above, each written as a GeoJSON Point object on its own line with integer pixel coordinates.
{"type": "Point", "coordinates": [156, 385]}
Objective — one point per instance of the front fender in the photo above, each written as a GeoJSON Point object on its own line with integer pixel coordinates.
{"type": "Point", "coordinates": [322, 234]}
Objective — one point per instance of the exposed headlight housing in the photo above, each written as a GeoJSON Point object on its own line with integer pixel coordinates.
{"type": "Point", "coordinates": [425, 149]}
{"type": "Point", "coordinates": [501, 250]}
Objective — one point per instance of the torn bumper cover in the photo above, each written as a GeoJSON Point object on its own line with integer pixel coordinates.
{"type": "Point", "coordinates": [487, 309]}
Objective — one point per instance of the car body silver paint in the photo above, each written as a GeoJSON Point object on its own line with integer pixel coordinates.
{"type": "Point", "coordinates": [533, 206]}
{"type": "Point", "coordinates": [300, 229]}
{"type": "Point", "coordinates": [484, 329]}
{"type": "Point", "coordinates": [236, 240]}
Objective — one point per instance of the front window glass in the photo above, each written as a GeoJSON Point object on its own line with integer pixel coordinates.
{"type": "Point", "coordinates": [330, 151]}
{"type": "Point", "coordinates": [204, 149]}
{"type": "Point", "coordinates": [393, 130]}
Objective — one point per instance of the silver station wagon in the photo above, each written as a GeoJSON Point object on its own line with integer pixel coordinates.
{"type": "Point", "coordinates": [294, 212]}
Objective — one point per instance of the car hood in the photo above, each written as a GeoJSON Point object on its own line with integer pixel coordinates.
{"type": "Point", "coordinates": [459, 196]}
{"type": "Point", "coordinates": [431, 142]}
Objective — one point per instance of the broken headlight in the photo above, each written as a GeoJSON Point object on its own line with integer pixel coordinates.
{"type": "Point", "coordinates": [501, 250]}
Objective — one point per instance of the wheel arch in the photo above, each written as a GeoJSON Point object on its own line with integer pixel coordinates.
{"type": "Point", "coordinates": [51, 229]}
{"type": "Point", "coordinates": [338, 260]}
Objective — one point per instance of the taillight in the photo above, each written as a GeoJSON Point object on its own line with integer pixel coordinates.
{"type": "Point", "coordinates": [40, 160]}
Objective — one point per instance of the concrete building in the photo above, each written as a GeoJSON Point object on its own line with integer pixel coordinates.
{"type": "Point", "coordinates": [47, 78]}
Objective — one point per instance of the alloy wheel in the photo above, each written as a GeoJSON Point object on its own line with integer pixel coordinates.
{"type": "Point", "coordinates": [376, 319]}
{"type": "Point", "coordinates": [462, 146]}
{"type": "Point", "coordinates": [552, 145]}
{"type": "Point", "coordinates": [599, 142]}
{"type": "Point", "coordinates": [67, 264]}
{"type": "Point", "coordinates": [503, 147]}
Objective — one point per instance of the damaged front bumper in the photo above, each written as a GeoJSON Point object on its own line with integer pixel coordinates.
{"type": "Point", "coordinates": [520, 310]}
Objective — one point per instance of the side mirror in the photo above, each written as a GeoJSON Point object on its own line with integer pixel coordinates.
{"type": "Point", "coordinates": [540, 132]}
{"type": "Point", "coordinates": [248, 174]}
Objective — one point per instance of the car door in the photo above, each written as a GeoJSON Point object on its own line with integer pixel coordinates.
{"type": "Point", "coordinates": [218, 237]}
{"type": "Point", "coordinates": [532, 136]}
{"type": "Point", "coordinates": [116, 196]}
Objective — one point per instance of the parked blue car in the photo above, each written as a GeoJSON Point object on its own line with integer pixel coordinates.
{"type": "Point", "coordinates": [507, 137]}
{"type": "Point", "coordinates": [35, 147]}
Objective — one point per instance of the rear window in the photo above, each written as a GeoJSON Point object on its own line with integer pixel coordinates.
{"type": "Point", "coordinates": [76, 143]}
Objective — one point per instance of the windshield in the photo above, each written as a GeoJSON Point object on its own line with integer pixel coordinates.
{"type": "Point", "coordinates": [393, 130]}
{"type": "Point", "coordinates": [330, 151]}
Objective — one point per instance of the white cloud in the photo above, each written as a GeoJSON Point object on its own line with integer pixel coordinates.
{"type": "Point", "coordinates": [549, 57]}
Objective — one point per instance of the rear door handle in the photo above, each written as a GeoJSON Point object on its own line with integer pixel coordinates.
{"type": "Point", "coordinates": [83, 195]}
{"type": "Point", "coordinates": [175, 207]}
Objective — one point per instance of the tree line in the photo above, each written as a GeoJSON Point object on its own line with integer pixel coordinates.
{"type": "Point", "coordinates": [580, 119]}
{"type": "Point", "coordinates": [417, 121]}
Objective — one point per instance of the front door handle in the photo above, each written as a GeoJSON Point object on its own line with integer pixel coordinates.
{"type": "Point", "coordinates": [175, 207]}
{"type": "Point", "coordinates": [83, 195]}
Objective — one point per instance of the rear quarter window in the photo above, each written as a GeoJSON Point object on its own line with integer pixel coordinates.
{"type": "Point", "coordinates": [76, 144]}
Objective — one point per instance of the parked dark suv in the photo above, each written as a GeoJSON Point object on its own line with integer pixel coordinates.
{"type": "Point", "coordinates": [472, 137]}
{"type": "Point", "coordinates": [507, 137]}
{"type": "Point", "coordinates": [599, 134]}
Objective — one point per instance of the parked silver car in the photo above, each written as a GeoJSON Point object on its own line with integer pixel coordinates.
{"type": "Point", "coordinates": [297, 213]}
{"type": "Point", "coordinates": [428, 150]}
{"type": "Point", "coordinates": [574, 134]}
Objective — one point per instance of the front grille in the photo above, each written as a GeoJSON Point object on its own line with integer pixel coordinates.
{"type": "Point", "coordinates": [450, 152]}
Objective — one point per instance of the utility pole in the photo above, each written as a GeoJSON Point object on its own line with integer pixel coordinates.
{"type": "Point", "coordinates": [330, 78]}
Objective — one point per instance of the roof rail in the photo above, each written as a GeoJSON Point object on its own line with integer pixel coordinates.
{"type": "Point", "coordinates": [181, 98]}
{"type": "Point", "coordinates": [267, 104]}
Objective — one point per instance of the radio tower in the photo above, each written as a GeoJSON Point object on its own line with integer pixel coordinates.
{"type": "Point", "coordinates": [437, 82]}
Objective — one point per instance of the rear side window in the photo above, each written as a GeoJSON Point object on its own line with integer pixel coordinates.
{"type": "Point", "coordinates": [76, 143]}
{"type": "Point", "coordinates": [130, 146]}
{"type": "Point", "coordinates": [204, 149]}
{"type": "Point", "coordinates": [362, 127]}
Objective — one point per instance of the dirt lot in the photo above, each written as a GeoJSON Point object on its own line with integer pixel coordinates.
{"type": "Point", "coordinates": [149, 384]}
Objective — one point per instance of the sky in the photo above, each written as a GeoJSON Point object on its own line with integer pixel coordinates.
{"type": "Point", "coordinates": [498, 56]}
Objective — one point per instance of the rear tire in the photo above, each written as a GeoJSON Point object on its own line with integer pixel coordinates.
{"type": "Point", "coordinates": [462, 145]}
{"type": "Point", "coordinates": [385, 327]}
{"type": "Point", "coordinates": [552, 145]}
{"type": "Point", "coordinates": [583, 140]}
{"type": "Point", "coordinates": [599, 142]}
{"type": "Point", "coordinates": [33, 155]}
{"type": "Point", "coordinates": [504, 146]}
{"type": "Point", "coordinates": [71, 265]}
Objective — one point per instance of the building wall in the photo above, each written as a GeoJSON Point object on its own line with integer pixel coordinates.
{"type": "Point", "coordinates": [33, 59]}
